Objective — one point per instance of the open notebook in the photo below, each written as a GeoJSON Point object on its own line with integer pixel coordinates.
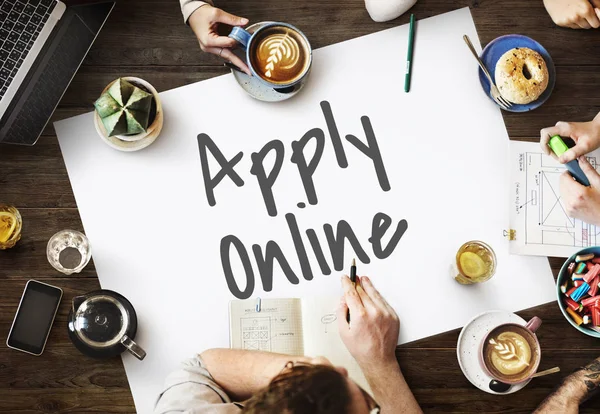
{"type": "Point", "coordinates": [293, 326]}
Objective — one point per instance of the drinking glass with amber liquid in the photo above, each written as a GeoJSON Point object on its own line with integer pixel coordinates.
{"type": "Point", "coordinates": [475, 263]}
{"type": "Point", "coordinates": [10, 226]}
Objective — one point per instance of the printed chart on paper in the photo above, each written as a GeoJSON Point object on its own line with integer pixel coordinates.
{"type": "Point", "coordinates": [538, 214]}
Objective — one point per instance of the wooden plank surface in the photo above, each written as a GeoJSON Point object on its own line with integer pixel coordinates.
{"type": "Point", "coordinates": [147, 38]}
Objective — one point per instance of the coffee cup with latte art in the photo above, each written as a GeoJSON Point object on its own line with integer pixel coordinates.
{"type": "Point", "coordinates": [278, 54]}
{"type": "Point", "coordinates": [511, 352]}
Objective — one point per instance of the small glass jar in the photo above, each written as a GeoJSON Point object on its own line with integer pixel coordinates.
{"type": "Point", "coordinates": [10, 226]}
{"type": "Point", "coordinates": [475, 263]}
{"type": "Point", "coordinates": [69, 251]}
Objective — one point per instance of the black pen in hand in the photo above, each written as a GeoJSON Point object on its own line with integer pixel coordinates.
{"type": "Point", "coordinates": [353, 280]}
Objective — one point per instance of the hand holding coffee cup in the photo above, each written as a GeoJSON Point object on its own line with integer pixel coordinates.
{"type": "Point", "coordinates": [511, 353]}
{"type": "Point", "coordinates": [205, 22]}
{"type": "Point", "coordinates": [277, 54]}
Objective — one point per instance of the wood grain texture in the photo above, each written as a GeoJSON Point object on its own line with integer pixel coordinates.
{"type": "Point", "coordinates": [432, 375]}
{"type": "Point", "coordinates": [147, 38]}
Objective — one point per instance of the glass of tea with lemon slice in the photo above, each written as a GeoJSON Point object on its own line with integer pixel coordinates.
{"type": "Point", "coordinates": [475, 263]}
{"type": "Point", "coordinates": [10, 226]}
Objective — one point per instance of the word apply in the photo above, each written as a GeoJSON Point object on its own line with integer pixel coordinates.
{"type": "Point", "coordinates": [306, 165]}
{"type": "Point", "coordinates": [271, 253]}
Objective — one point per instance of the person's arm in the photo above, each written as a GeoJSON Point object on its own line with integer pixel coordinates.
{"type": "Point", "coordinates": [391, 390]}
{"type": "Point", "coordinates": [575, 14]}
{"type": "Point", "coordinates": [241, 373]}
{"type": "Point", "coordinates": [190, 6]}
{"type": "Point", "coordinates": [371, 337]}
{"type": "Point", "coordinates": [574, 390]}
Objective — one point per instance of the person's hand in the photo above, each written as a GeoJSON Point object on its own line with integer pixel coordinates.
{"type": "Point", "coordinates": [582, 202]}
{"type": "Point", "coordinates": [205, 21]}
{"type": "Point", "coordinates": [585, 134]}
{"type": "Point", "coordinates": [576, 14]}
{"type": "Point", "coordinates": [372, 334]}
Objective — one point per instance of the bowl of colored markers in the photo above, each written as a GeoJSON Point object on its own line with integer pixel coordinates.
{"type": "Point", "coordinates": [578, 291]}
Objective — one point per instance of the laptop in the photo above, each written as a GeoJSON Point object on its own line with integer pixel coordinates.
{"type": "Point", "coordinates": [42, 44]}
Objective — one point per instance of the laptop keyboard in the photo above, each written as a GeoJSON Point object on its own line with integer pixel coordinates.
{"type": "Point", "coordinates": [20, 24]}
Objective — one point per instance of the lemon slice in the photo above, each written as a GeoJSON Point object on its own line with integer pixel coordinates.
{"type": "Point", "coordinates": [471, 264]}
{"type": "Point", "coordinates": [8, 222]}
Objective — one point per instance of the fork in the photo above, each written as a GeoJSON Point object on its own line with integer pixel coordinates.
{"type": "Point", "coordinates": [496, 95]}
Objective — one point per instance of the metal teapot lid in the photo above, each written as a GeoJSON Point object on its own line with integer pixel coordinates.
{"type": "Point", "coordinates": [101, 321]}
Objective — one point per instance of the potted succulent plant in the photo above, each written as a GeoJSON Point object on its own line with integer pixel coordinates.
{"type": "Point", "coordinates": [128, 114]}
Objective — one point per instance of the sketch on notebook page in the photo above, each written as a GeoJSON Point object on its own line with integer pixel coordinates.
{"type": "Point", "coordinates": [256, 333]}
{"type": "Point", "coordinates": [328, 319]}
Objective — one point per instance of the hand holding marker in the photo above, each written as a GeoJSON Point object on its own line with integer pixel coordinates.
{"type": "Point", "coordinates": [559, 147]}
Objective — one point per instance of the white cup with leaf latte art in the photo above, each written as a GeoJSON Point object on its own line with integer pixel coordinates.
{"type": "Point", "coordinates": [278, 54]}
{"type": "Point", "coordinates": [511, 352]}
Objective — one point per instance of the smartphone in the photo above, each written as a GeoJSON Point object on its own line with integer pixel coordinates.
{"type": "Point", "coordinates": [35, 315]}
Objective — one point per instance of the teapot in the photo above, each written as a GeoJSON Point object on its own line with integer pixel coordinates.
{"type": "Point", "coordinates": [103, 324]}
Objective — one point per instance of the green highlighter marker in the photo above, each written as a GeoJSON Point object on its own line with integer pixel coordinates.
{"type": "Point", "coordinates": [558, 146]}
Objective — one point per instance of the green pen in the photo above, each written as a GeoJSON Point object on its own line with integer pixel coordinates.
{"type": "Point", "coordinates": [409, 56]}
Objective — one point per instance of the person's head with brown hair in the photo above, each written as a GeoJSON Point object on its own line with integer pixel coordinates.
{"type": "Point", "coordinates": [317, 388]}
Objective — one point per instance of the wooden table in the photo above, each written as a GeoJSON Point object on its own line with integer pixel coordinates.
{"type": "Point", "coordinates": [147, 38]}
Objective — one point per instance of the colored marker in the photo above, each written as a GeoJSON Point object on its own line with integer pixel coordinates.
{"type": "Point", "coordinates": [558, 146]}
{"type": "Point", "coordinates": [411, 41]}
{"type": "Point", "coordinates": [353, 271]}
{"type": "Point", "coordinates": [352, 279]}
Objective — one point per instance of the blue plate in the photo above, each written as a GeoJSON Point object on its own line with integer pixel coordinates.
{"type": "Point", "coordinates": [497, 47]}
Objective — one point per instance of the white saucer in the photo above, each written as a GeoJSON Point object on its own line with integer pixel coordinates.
{"type": "Point", "coordinates": [467, 348]}
{"type": "Point", "coordinates": [252, 86]}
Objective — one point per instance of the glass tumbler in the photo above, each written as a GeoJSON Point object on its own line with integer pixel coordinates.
{"type": "Point", "coordinates": [10, 226]}
{"type": "Point", "coordinates": [475, 262]}
{"type": "Point", "coordinates": [69, 251]}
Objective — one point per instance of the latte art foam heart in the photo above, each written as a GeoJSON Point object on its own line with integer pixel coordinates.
{"type": "Point", "coordinates": [510, 353]}
{"type": "Point", "coordinates": [283, 54]}
{"type": "Point", "coordinates": [280, 55]}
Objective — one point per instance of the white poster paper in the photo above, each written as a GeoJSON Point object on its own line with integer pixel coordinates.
{"type": "Point", "coordinates": [433, 160]}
